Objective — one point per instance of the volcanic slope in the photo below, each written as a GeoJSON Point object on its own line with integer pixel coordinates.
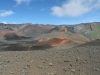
{"type": "Point", "coordinates": [35, 30]}
{"type": "Point", "coordinates": [62, 38]}
{"type": "Point", "coordinates": [65, 32]}
{"type": "Point", "coordinates": [88, 29]}
{"type": "Point", "coordinates": [27, 30]}
{"type": "Point", "coordinates": [58, 38]}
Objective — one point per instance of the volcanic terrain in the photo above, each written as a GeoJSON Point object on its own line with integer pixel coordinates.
{"type": "Point", "coordinates": [27, 49]}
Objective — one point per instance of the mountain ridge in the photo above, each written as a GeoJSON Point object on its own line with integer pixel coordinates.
{"type": "Point", "coordinates": [90, 30]}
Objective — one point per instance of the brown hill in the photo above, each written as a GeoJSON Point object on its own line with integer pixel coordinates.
{"type": "Point", "coordinates": [54, 42]}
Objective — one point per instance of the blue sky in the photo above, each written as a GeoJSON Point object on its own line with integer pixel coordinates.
{"type": "Point", "coordinates": [49, 11]}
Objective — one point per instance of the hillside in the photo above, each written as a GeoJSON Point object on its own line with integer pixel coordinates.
{"type": "Point", "coordinates": [33, 30]}
{"type": "Point", "coordinates": [88, 29]}
{"type": "Point", "coordinates": [64, 31]}
{"type": "Point", "coordinates": [55, 37]}
{"type": "Point", "coordinates": [27, 30]}
{"type": "Point", "coordinates": [38, 36]}
{"type": "Point", "coordinates": [55, 50]}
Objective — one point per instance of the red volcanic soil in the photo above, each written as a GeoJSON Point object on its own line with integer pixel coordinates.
{"type": "Point", "coordinates": [57, 41]}
{"type": "Point", "coordinates": [54, 42]}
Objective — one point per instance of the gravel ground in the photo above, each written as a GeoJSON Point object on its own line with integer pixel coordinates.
{"type": "Point", "coordinates": [81, 60]}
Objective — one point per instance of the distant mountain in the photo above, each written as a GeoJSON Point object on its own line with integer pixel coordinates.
{"type": "Point", "coordinates": [34, 30]}
{"type": "Point", "coordinates": [91, 30]}
{"type": "Point", "coordinates": [88, 29]}
{"type": "Point", "coordinates": [61, 29]}
{"type": "Point", "coordinates": [13, 27]}
{"type": "Point", "coordinates": [39, 36]}
{"type": "Point", "coordinates": [28, 30]}
{"type": "Point", "coordinates": [65, 32]}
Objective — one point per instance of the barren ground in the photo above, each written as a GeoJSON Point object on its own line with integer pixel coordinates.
{"type": "Point", "coordinates": [80, 60]}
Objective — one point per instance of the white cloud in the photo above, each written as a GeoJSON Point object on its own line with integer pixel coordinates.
{"type": "Point", "coordinates": [4, 22]}
{"type": "Point", "coordinates": [75, 8]}
{"type": "Point", "coordinates": [4, 13]}
{"type": "Point", "coordinates": [22, 1]}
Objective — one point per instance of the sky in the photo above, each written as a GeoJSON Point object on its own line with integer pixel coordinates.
{"type": "Point", "coordinates": [49, 11]}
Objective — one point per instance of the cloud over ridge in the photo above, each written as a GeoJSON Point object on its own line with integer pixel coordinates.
{"type": "Point", "coordinates": [75, 8]}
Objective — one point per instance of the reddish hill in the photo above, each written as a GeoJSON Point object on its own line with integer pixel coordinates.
{"type": "Point", "coordinates": [53, 42]}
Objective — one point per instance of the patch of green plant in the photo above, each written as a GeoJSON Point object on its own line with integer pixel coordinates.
{"type": "Point", "coordinates": [95, 33]}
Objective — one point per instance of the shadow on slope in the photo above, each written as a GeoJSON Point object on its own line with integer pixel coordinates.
{"type": "Point", "coordinates": [37, 44]}
{"type": "Point", "coordinates": [14, 47]}
{"type": "Point", "coordinates": [14, 36]}
{"type": "Point", "coordinates": [91, 43]}
{"type": "Point", "coordinates": [44, 44]}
